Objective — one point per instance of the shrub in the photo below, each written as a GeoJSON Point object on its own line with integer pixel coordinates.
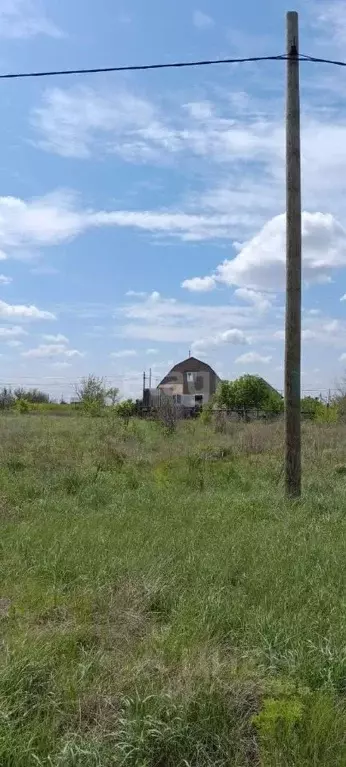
{"type": "Point", "coordinates": [125, 409]}
{"type": "Point", "coordinates": [22, 406]}
{"type": "Point", "coordinates": [92, 394]}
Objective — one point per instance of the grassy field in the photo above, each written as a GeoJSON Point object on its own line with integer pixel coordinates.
{"type": "Point", "coordinates": [161, 605]}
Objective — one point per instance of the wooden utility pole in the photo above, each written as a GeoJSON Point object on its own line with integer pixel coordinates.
{"type": "Point", "coordinates": [293, 266]}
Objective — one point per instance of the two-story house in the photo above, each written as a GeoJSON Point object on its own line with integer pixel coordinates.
{"type": "Point", "coordinates": [190, 382]}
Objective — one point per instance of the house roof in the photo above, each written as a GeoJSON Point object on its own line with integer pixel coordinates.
{"type": "Point", "coordinates": [190, 365]}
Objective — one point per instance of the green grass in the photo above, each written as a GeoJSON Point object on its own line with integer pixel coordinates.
{"type": "Point", "coordinates": [161, 604]}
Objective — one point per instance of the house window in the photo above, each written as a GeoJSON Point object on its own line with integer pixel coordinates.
{"type": "Point", "coordinates": [178, 399]}
{"type": "Point", "coordinates": [198, 399]}
{"type": "Point", "coordinates": [190, 377]}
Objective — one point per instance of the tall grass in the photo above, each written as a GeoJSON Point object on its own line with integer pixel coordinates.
{"type": "Point", "coordinates": [161, 604]}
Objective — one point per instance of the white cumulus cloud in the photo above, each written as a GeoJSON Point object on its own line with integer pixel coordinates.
{"type": "Point", "coordinates": [26, 312]}
{"type": "Point", "coordinates": [251, 358]}
{"type": "Point", "coordinates": [25, 18]}
{"type": "Point", "coordinates": [12, 332]}
{"type": "Point", "coordinates": [260, 263]}
{"type": "Point", "coordinates": [52, 350]}
{"type": "Point", "coordinates": [199, 284]}
{"type": "Point", "coordinates": [72, 122]}
{"type": "Point", "coordinates": [55, 339]}
{"type": "Point", "coordinates": [26, 225]}
{"type": "Point", "coordinates": [124, 353]}
{"type": "Point", "coordinates": [233, 336]}
{"type": "Point", "coordinates": [254, 297]}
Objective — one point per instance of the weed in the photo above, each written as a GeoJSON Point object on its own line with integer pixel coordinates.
{"type": "Point", "coordinates": [162, 604]}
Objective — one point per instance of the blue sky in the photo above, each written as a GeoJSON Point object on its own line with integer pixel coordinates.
{"type": "Point", "coordinates": [141, 215]}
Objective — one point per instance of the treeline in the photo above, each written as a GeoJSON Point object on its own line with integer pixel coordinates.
{"type": "Point", "coordinates": [92, 396]}
{"type": "Point", "coordinates": [247, 393]}
{"type": "Point", "coordinates": [21, 398]}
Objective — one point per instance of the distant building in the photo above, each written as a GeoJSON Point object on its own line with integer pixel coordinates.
{"type": "Point", "coordinates": [190, 383]}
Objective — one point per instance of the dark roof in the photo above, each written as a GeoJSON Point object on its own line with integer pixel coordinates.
{"type": "Point", "coordinates": [270, 387]}
{"type": "Point", "coordinates": [190, 365]}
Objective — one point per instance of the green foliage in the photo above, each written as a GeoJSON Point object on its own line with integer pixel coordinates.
{"type": "Point", "coordinates": [54, 408]}
{"type": "Point", "coordinates": [277, 722]}
{"type": "Point", "coordinates": [251, 392]}
{"type": "Point", "coordinates": [22, 405]}
{"type": "Point", "coordinates": [321, 412]}
{"type": "Point", "coordinates": [206, 414]}
{"type": "Point", "coordinates": [339, 405]}
{"type": "Point", "coordinates": [248, 392]}
{"type": "Point", "coordinates": [285, 725]}
{"type": "Point", "coordinates": [328, 414]}
{"type": "Point", "coordinates": [112, 394]}
{"type": "Point", "coordinates": [226, 395]}
{"type": "Point", "coordinates": [125, 409]}
{"type": "Point", "coordinates": [7, 398]}
{"type": "Point", "coordinates": [33, 396]}
{"type": "Point", "coordinates": [92, 394]}
{"type": "Point", "coordinates": [311, 407]}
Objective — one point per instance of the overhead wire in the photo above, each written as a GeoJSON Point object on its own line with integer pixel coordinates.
{"type": "Point", "coordinates": [140, 67]}
{"type": "Point", "coordinates": [317, 60]}
{"type": "Point", "coordinates": [160, 66]}
{"type": "Point", "coordinates": [169, 65]}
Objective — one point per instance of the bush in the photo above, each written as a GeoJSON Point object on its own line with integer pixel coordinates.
{"type": "Point", "coordinates": [125, 409]}
{"type": "Point", "coordinates": [311, 407]}
{"type": "Point", "coordinates": [22, 406]}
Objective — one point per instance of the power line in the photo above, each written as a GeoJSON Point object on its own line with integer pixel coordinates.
{"type": "Point", "coordinates": [316, 60]}
{"type": "Point", "coordinates": [139, 67]}
{"type": "Point", "coordinates": [170, 65]}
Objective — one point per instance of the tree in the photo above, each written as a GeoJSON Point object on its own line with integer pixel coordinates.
{"type": "Point", "coordinates": [248, 392]}
{"type": "Point", "coordinates": [7, 398]}
{"type": "Point", "coordinates": [92, 393]}
{"type": "Point", "coordinates": [225, 395]}
{"type": "Point", "coordinates": [33, 396]}
{"type": "Point", "coordinates": [113, 394]}
{"type": "Point", "coordinates": [251, 392]}
{"type": "Point", "coordinates": [20, 393]}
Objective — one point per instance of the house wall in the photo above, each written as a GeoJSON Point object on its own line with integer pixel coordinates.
{"type": "Point", "coordinates": [190, 387]}
{"type": "Point", "coordinates": [189, 400]}
{"type": "Point", "coordinates": [172, 388]}
{"type": "Point", "coordinates": [186, 399]}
